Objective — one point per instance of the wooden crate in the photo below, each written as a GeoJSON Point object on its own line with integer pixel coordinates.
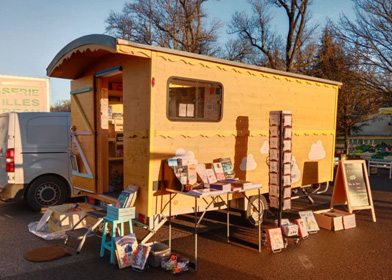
{"type": "Point", "coordinates": [120, 213]}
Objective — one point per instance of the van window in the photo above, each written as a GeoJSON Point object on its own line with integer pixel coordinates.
{"type": "Point", "coordinates": [47, 130]}
{"type": "Point", "coordinates": [193, 100]}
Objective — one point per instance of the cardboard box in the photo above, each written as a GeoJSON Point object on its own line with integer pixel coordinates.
{"type": "Point", "coordinates": [64, 217]}
{"type": "Point", "coordinates": [333, 219]}
{"type": "Point", "coordinates": [348, 219]}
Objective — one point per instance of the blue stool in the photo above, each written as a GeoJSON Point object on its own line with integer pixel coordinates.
{"type": "Point", "coordinates": [109, 244]}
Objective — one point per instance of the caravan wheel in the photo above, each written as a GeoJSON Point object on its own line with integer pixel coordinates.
{"type": "Point", "coordinates": [251, 214]}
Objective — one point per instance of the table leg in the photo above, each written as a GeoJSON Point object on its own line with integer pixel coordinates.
{"type": "Point", "coordinates": [228, 218]}
{"type": "Point", "coordinates": [258, 192]}
{"type": "Point", "coordinates": [196, 222]}
{"type": "Point", "coordinates": [170, 225]}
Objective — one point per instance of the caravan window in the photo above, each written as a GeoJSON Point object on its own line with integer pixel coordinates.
{"type": "Point", "coordinates": [193, 100]}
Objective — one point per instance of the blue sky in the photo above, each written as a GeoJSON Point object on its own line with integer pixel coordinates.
{"type": "Point", "coordinates": [33, 31]}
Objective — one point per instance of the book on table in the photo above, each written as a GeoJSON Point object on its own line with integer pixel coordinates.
{"type": "Point", "coordinates": [202, 173]}
{"type": "Point", "coordinates": [210, 174]}
{"type": "Point", "coordinates": [221, 186]}
{"type": "Point", "coordinates": [191, 174]}
{"type": "Point", "coordinates": [243, 184]}
{"type": "Point", "coordinates": [218, 170]}
{"type": "Point", "coordinates": [227, 167]}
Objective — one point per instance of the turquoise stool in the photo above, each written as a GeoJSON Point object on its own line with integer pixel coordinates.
{"type": "Point", "coordinates": [109, 244]}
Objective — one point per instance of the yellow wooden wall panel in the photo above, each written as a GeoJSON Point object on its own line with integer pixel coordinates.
{"type": "Point", "coordinates": [149, 137]}
{"type": "Point", "coordinates": [136, 96]}
{"type": "Point", "coordinates": [251, 95]}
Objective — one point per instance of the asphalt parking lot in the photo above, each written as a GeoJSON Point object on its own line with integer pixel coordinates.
{"type": "Point", "coordinates": [364, 252]}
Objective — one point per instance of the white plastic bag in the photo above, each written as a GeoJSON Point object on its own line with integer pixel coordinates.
{"type": "Point", "coordinates": [44, 232]}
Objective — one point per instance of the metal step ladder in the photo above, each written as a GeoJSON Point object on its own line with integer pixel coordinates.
{"type": "Point", "coordinates": [81, 234]}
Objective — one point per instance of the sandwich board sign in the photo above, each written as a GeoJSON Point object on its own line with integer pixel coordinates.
{"type": "Point", "coordinates": [352, 187]}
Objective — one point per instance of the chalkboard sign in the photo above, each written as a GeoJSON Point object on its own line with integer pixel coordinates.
{"type": "Point", "coordinates": [352, 186]}
{"type": "Point", "coordinates": [356, 185]}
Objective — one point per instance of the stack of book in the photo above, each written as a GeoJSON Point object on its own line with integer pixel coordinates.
{"type": "Point", "coordinates": [218, 175]}
{"type": "Point", "coordinates": [221, 186]}
{"type": "Point", "coordinates": [124, 199]}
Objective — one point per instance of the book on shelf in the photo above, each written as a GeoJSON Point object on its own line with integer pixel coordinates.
{"type": "Point", "coordinates": [274, 202]}
{"type": "Point", "coordinates": [274, 190]}
{"type": "Point", "coordinates": [286, 180]}
{"type": "Point", "coordinates": [286, 192]}
{"type": "Point", "coordinates": [125, 246]}
{"type": "Point", "coordinates": [286, 204]}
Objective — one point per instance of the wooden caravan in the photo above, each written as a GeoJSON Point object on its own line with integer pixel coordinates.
{"type": "Point", "coordinates": [134, 106]}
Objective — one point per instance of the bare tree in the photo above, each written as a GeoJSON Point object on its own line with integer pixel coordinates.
{"type": "Point", "coordinates": [239, 50]}
{"type": "Point", "coordinates": [61, 106]}
{"type": "Point", "coordinates": [256, 29]}
{"type": "Point", "coordinates": [355, 101]}
{"type": "Point", "coordinates": [177, 24]}
{"type": "Point", "coordinates": [297, 15]}
{"type": "Point", "coordinates": [370, 38]}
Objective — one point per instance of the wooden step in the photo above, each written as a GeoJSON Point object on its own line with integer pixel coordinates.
{"type": "Point", "coordinates": [101, 197]}
{"type": "Point", "coordinates": [97, 214]}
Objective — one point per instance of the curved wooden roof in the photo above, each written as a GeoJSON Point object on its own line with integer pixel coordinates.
{"type": "Point", "coordinates": [73, 58]}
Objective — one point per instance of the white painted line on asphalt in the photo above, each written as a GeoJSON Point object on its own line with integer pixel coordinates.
{"type": "Point", "coordinates": [305, 261]}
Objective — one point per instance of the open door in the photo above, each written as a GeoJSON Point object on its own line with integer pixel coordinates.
{"type": "Point", "coordinates": [83, 131]}
{"type": "Point", "coordinates": [109, 108]}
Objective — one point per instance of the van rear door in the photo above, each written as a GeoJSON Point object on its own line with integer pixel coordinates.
{"type": "Point", "coordinates": [4, 120]}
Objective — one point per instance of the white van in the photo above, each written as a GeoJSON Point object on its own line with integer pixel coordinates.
{"type": "Point", "coordinates": [34, 158]}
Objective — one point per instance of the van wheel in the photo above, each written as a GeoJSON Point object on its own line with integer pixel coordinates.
{"type": "Point", "coordinates": [46, 191]}
{"type": "Point", "coordinates": [251, 213]}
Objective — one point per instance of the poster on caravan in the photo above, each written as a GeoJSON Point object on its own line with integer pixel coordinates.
{"type": "Point", "coordinates": [23, 94]}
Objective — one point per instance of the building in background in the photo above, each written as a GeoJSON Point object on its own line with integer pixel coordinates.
{"type": "Point", "coordinates": [373, 140]}
{"type": "Point", "coordinates": [24, 94]}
